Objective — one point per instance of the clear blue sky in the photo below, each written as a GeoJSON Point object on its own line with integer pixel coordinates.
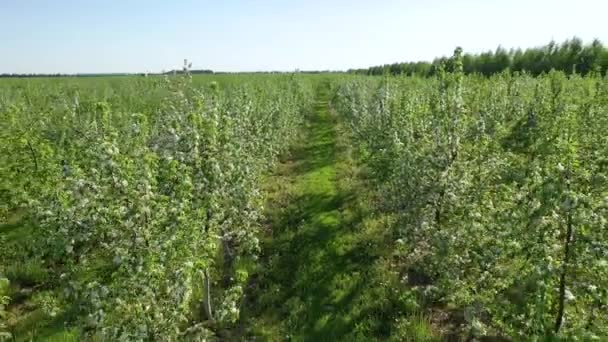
{"type": "Point", "coordinates": [70, 36]}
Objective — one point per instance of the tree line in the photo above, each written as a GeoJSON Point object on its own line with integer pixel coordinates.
{"type": "Point", "coordinates": [16, 75]}
{"type": "Point", "coordinates": [571, 56]}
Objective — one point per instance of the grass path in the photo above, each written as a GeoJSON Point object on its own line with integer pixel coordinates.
{"type": "Point", "coordinates": [316, 260]}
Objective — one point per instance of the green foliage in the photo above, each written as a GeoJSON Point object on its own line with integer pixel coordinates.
{"type": "Point", "coordinates": [29, 273]}
{"type": "Point", "coordinates": [488, 214]}
{"type": "Point", "coordinates": [4, 300]}
{"type": "Point", "coordinates": [415, 329]}
{"type": "Point", "coordinates": [135, 189]}
{"type": "Point", "coordinates": [499, 186]}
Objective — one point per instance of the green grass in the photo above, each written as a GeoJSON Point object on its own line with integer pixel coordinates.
{"type": "Point", "coordinates": [324, 274]}
{"type": "Point", "coordinates": [35, 312]}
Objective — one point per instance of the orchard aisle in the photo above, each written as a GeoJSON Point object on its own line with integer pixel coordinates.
{"type": "Point", "coordinates": [314, 261]}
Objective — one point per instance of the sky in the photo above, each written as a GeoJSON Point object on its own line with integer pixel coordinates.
{"type": "Point", "coordinates": [95, 36]}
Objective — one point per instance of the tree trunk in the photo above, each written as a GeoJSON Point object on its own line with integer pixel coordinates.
{"type": "Point", "coordinates": [207, 299]}
{"type": "Point", "coordinates": [562, 280]}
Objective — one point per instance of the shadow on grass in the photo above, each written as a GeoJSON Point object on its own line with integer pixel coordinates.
{"type": "Point", "coordinates": [314, 282]}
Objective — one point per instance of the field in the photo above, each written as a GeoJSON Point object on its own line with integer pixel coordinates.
{"type": "Point", "coordinates": [327, 207]}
